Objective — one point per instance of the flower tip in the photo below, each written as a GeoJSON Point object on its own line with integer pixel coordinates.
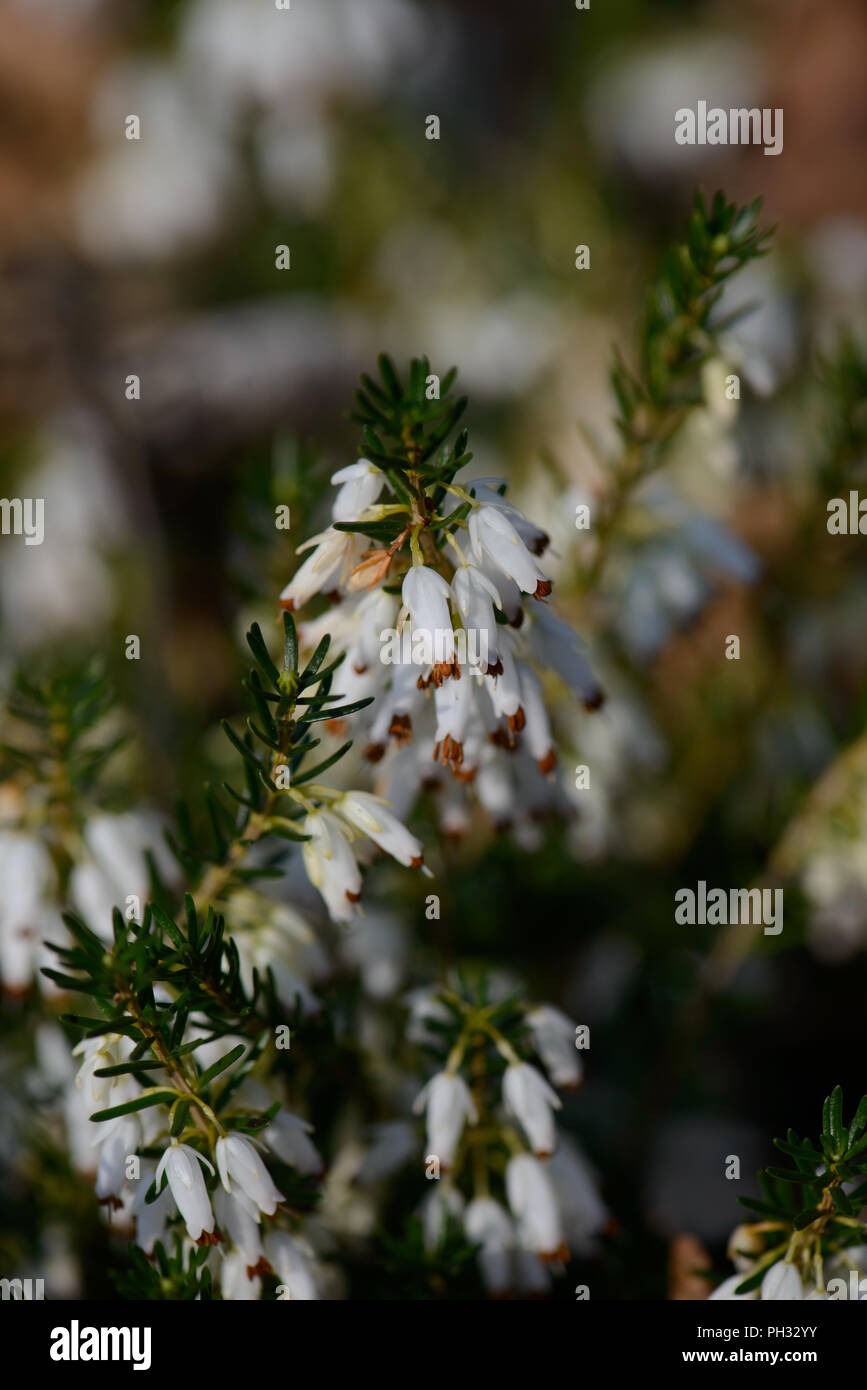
{"type": "Point", "coordinates": [287, 604]}
{"type": "Point", "coordinates": [542, 589]}
{"type": "Point", "coordinates": [558, 1256]}
{"type": "Point", "coordinates": [548, 763]}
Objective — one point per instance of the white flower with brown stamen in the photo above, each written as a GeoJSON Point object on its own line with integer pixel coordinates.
{"type": "Point", "coordinates": [426, 594]}
{"type": "Point", "coordinates": [493, 535]}
{"type": "Point", "coordinates": [537, 729]}
{"type": "Point", "coordinates": [475, 597]}
{"type": "Point", "coordinates": [454, 704]}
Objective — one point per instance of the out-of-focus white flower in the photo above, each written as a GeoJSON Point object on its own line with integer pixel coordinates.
{"type": "Point", "coordinates": [237, 1284]}
{"type": "Point", "coordinates": [782, 1282]}
{"type": "Point", "coordinates": [27, 913]}
{"type": "Point", "coordinates": [726, 1290]}
{"type": "Point", "coordinates": [164, 193]}
{"type": "Point", "coordinates": [238, 1160]}
{"type": "Point", "coordinates": [448, 1104]}
{"type": "Point", "coordinates": [331, 866]}
{"type": "Point", "coordinates": [527, 1095]}
{"type": "Point", "coordinates": [106, 1050]}
{"type": "Point", "coordinates": [151, 1218]}
{"type": "Point", "coordinates": [533, 1203]}
{"type": "Point", "coordinates": [441, 1204]}
{"type": "Point", "coordinates": [123, 1140]}
{"type": "Point", "coordinates": [377, 946]}
{"type": "Point", "coordinates": [238, 1217]}
{"type": "Point", "coordinates": [288, 1135]}
{"type": "Point", "coordinates": [424, 1005]}
{"type": "Point", "coordinates": [487, 1224]}
{"type": "Point", "coordinates": [180, 1164]}
{"type": "Point", "coordinates": [293, 1263]}
{"type": "Point", "coordinates": [393, 1145]}
{"type": "Point", "coordinates": [115, 866]}
{"type": "Point", "coordinates": [582, 1211]}
{"type": "Point", "coordinates": [553, 1037]}
{"type": "Point", "coordinates": [556, 645]}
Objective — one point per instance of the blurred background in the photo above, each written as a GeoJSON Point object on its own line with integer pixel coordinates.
{"type": "Point", "coordinates": [306, 128]}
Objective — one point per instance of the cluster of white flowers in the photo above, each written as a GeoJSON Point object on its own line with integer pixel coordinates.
{"type": "Point", "coordinates": [552, 1205]}
{"type": "Point", "coordinates": [786, 1280]}
{"type": "Point", "coordinates": [461, 697]}
{"type": "Point", "coordinates": [231, 1218]}
{"type": "Point", "coordinates": [110, 869]}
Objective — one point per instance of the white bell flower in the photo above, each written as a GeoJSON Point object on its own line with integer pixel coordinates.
{"type": "Point", "coordinates": [493, 535]}
{"type": "Point", "coordinates": [782, 1282]}
{"type": "Point", "coordinates": [180, 1164]}
{"type": "Point", "coordinates": [475, 598]}
{"type": "Point", "coordinates": [425, 593]}
{"type": "Point", "coordinates": [334, 554]}
{"type": "Point", "coordinates": [331, 866]}
{"type": "Point", "coordinates": [239, 1218]}
{"type": "Point", "coordinates": [553, 1037]}
{"type": "Point", "coordinates": [371, 816]}
{"type": "Point", "coordinates": [726, 1290]}
{"type": "Point", "coordinates": [238, 1160]}
{"type": "Point", "coordinates": [487, 1224]}
{"type": "Point", "coordinates": [448, 1104]}
{"type": "Point", "coordinates": [293, 1263]}
{"type": "Point", "coordinates": [361, 485]}
{"type": "Point", "coordinates": [287, 1135]}
{"type": "Point", "coordinates": [527, 1095]}
{"type": "Point", "coordinates": [533, 1203]}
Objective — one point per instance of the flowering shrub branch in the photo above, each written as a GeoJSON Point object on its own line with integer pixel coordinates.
{"type": "Point", "coordinates": [810, 1240]}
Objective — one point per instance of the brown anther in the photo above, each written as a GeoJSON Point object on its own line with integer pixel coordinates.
{"type": "Point", "coordinates": [443, 669]}
{"type": "Point", "coordinates": [548, 763]}
{"type": "Point", "coordinates": [400, 728]}
{"type": "Point", "coordinates": [372, 568]}
{"type": "Point", "coordinates": [465, 774]}
{"type": "Point", "coordinates": [517, 720]}
{"type": "Point", "coordinates": [542, 589]}
{"type": "Point", "coordinates": [559, 1256]}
